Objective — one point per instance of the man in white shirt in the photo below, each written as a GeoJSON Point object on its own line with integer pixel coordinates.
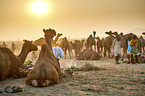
{"type": "Point", "coordinates": [58, 52]}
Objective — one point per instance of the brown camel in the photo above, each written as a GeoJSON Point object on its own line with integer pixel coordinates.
{"type": "Point", "coordinates": [43, 73]}
{"type": "Point", "coordinates": [65, 46]}
{"type": "Point", "coordinates": [41, 40]}
{"type": "Point", "coordinates": [10, 64]}
{"type": "Point", "coordinates": [47, 68]}
{"type": "Point", "coordinates": [100, 45]}
{"type": "Point", "coordinates": [88, 54]}
{"type": "Point", "coordinates": [77, 46]}
{"type": "Point", "coordinates": [108, 44]}
{"type": "Point", "coordinates": [49, 34]}
{"type": "Point", "coordinates": [142, 43]}
{"type": "Point", "coordinates": [90, 42]}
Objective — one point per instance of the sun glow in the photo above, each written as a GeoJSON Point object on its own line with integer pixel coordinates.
{"type": "Point", "coordinates": [39, 7]}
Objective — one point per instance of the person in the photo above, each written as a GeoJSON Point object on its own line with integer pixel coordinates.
{"type": "Point", "coordinates": [13, 46]}
{"type": "Point", "coordinates": [129, 37]}
{"type": "Point", "coordinates": [4, 44]}
{"type": "Point", "coordinates": [134, 48]}
{"type": "Point", "coordinates": [117, 48]}
{"type": "Point", "coordinates": [58, 52]}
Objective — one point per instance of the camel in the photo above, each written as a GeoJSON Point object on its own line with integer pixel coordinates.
{"type": "Point", "coordinates": [43, 73]}
{"type": "Point", "coordinates": [108, 43]}
{"type": "Point", "coordinates": [77, 45]}
{"type": "Point", "coordinates": [100, 44]}
{"type": "Point", "coordinates": [47, 68]}
{"type": "Point", "coordinates": [88, 54]}
{"type": "Point", "coordinates": [41, 40]}
{"type": "Point", "coordinates": [142, 43]}
{"type": "Point", "coordinates": [65, 46]}
{"type": "Point", "coordinates": [49, 34]}
{"type": "Point", "coordinates": [10, 64]}
{"type": "Point", "coordinates": [90, 42]}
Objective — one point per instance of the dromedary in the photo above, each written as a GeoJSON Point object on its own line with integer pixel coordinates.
{"type": "Point", "coordinates": [10, 64]}
{"type": "Point", "coordinates": [65, 46]}
{"type": "Point", "coordinates": [47, 68]}
{"type": "Point", "coordinates": [90, 42]}
{"type": "Point", "coordinates": [77, 46]}
{"type": "Point", "coordinates": [43, 73]}
{"type": "Point", "coordinates": [108, 43]}
{"type": "Point", "coordinates": [41, 40]}
{"type": "Point", "coordinates": [88, 54]}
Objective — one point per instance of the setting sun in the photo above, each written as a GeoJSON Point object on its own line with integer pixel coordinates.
{"type": "Point", "coordinates": [39, 7]}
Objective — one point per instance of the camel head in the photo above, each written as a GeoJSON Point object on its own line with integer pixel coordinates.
{"type": "Point", "coordinates": [29, 46]}
{"type": "Point", "coordinates": [143, 33]}
{"type": "Point", "coordinates": [49, 33]}
{"type": "Point", "coordinates": [109, 33]}
{"type": "Point", "coordinates": [60, 34]}
{"type": "Point", "coordinates": [97, 38]}
{"type": "Point", "coordinates": [115, 33]}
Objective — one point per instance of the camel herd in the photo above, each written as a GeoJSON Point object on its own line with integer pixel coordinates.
{"type": "Point", "coordinates": [47, 69]}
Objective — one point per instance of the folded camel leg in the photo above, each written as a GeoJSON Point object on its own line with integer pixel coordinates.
{"type": "Point", "coordinates": [34, 83]}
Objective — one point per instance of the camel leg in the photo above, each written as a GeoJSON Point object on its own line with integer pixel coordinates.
{"type": "Point", "coordinates": [65, 53]}
{"type": "Point", "coordinates": [34, 83]}
{"type": "Point", "coordinates": [46, 83]}
{"type": "Point", "coordinates": [69, 53]}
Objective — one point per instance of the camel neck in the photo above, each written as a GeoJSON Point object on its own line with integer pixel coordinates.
{"type": "Point", "coordinates": [48, 42]}
{"type": "Point", "coordinates": [22, 56]}
{"type": "Point", "coordinates": [56, 39]}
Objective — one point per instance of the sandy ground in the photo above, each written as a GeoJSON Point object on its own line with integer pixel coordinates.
{"type": "Point", "coordinates": [116, 80]}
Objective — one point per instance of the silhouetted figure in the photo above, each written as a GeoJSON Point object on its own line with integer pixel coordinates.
{"type": "Point", "coordinates": [4, 44]}
{"type": "Point", "coordinates": [13, 46]}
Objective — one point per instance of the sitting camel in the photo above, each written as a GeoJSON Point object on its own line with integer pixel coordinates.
{"type": "Point", "coordinates": [43, 73]}
{"type": "Point", "coordinates": [88, 54]}
{"type": "Point", "coordinates": [10, 64]}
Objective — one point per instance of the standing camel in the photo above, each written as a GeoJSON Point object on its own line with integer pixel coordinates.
{"type": "Point", "coordinates": [108, 43]}
{"type": "Point", "coordinates": [65, 46]}
{"type": "Point", "coordinates": [90, 42]}
{"type": "Point", "coordinates": [10, 64]}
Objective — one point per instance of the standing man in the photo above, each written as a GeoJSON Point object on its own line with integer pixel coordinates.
{"type": "Point", "coordinates": [117, 48]}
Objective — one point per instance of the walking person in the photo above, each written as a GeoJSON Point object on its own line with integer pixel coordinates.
{"type": "Point", "coordinates": [129, 37]}
{"type": "Point", "coordinates": [134, 48]}
{"type": "Point", "coordinates": [117, 48]}
{"type": "Point", "coordinates": [4, 44]}
{"type": "Point", "coordinates": [13, 47]}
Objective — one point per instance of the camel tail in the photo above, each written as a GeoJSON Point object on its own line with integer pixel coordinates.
{"type": "Point", "coordinates": [42, 76]}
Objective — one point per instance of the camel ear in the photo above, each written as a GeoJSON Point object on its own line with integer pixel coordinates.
{"type": "Point", "coordinates": [44, 30]}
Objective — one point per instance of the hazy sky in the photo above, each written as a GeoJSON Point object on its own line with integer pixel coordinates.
{"type": "Point", "coordinates": [73, 18]}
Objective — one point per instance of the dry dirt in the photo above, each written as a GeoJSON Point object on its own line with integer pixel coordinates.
{"type": "Point", "coordinates": [116, 80]}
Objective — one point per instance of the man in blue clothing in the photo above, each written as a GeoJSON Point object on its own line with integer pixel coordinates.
{"type": "Point", "coordinates": [58, 52]}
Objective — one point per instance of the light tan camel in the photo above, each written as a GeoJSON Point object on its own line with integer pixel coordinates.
{"type": "Point", "coordinates": [10, 64]}
{"type": "Point", "coordinates": [88, 54]}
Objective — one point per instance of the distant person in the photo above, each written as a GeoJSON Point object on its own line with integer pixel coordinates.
{"type": "Point", "coordinates": [117, 48]}
{"type": "Point", "coordinates": [58, 52]}
{"type": "Point", "coordinates": [129, 37]}
{"type": "Point", "coordinates": [4, 44]}
{"type": "Point", "coordinates": [13, 46]}
{"type": "Point", "coordinates": [134, 48]}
